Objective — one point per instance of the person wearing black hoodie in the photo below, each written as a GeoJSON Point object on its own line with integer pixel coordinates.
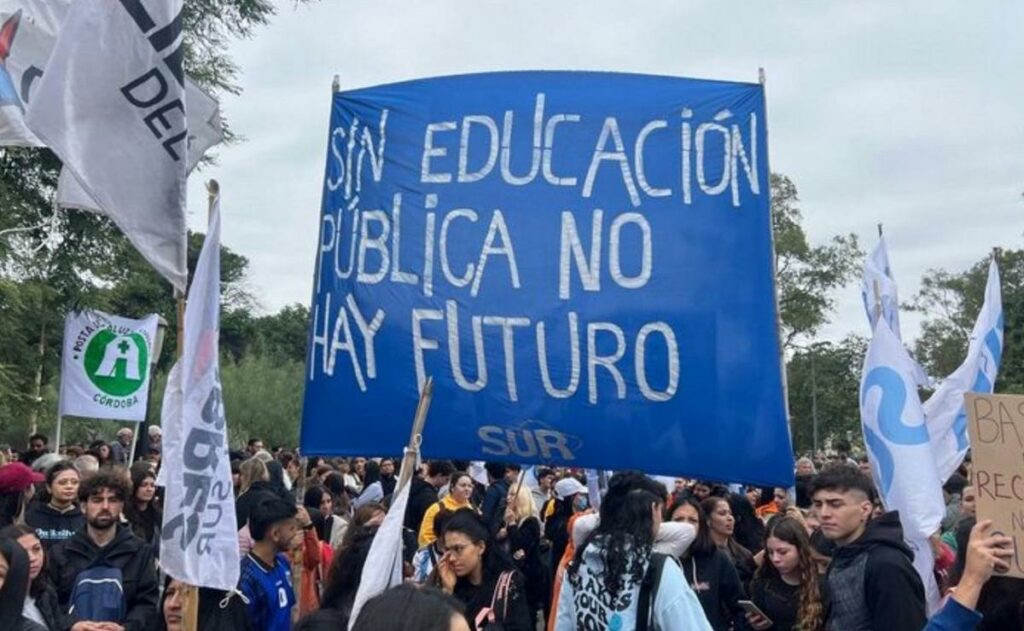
{"type": "Point", "coordinates": [387, 477]}
{"type": "Point", "coordinates": [59, 517]}
{"type": "Point", "coordinates": [255, 488]}
{"type": "Point", "coordinates": [708, 570]}
{"type": "Point", "coordinates": [871, 580]}
{"type": "Point", "coordinates": [423, 493]}
{"type": "Point", "coordinates": [105, 543]}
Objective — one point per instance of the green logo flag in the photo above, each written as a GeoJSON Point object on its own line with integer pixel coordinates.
{"type": "Point", "coordinates": [106, 366]}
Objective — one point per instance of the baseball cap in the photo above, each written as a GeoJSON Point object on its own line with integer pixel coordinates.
{"type": "Point", "coordinates": [16, 477]}
{"type": "Point", "coordinates": [568, 487]}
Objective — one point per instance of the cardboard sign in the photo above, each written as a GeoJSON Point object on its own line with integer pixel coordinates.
{"type": "Point", "coordinates": [996, 426]}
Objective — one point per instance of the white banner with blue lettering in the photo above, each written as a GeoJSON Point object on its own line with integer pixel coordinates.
{"type": "Point", "coordinates": [581, 261]}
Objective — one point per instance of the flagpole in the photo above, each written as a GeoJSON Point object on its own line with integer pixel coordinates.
{"type": "Point", "coordinates": [416, 436]}
{"type": "Point", "coordinates": [384, 558]}
{"type": "Point", "coordinates": [141, 444]}
{"type": "Point", "coordinates": [56, 439]}
{"type": "Point", "coordinates": [762, 79]}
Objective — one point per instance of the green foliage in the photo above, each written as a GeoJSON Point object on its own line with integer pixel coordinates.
{"type": "Point", "coordinates": [263, 398]}
{"type": "Point", "coordinates": [952, 302]}
{"type": "Point", "coordinates": [52, 262]}
{"type": "Point", "coordinates": [807, 275]}
{"type": "Point", "coordinates": [829, 371]}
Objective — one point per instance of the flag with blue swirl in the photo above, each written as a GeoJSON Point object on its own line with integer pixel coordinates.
{"type": "Point", "coordinates": [947, 417]}
{"type": "Point", "coordinates": [899, 444]}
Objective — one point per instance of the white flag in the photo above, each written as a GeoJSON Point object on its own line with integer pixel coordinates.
{"type": "Point", "coordinates": [902, 463]}
{"type": "Point", "coordinates": [199, 542]}
{"type": "Point", "coordinates": [878, 289]}
{"type": "Point", "coordinates": [881, 299]}
{"type": "Point", "coordinates": [205, 130]}
{"type": "Point", "coordinates": [28, 32]}
{"type": "Point", "coordinates": [28, 29]}
{"type": "Point", "coordinates": [105, 366]}
{"type": "Point", "coordinates": [111, 106]}
{"type": "Point", "coordinates": [947, 418]}
{"type": "Point", "coordinates": [383, 568]}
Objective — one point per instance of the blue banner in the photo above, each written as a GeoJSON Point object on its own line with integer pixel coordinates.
{"type": "Point", "coordinates": [581, 261]}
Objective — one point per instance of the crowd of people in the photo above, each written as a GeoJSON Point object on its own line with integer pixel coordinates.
{"type": "Point", "coordinates": [489, 546]}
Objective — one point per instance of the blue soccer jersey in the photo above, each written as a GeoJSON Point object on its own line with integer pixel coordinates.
{"type": "Point", "coordinates": [270, 593]}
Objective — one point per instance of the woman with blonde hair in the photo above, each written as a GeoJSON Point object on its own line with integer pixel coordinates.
{"type": "Point", "coordinates": [521, 533]}
{"type": "Point", "coordinates": [254, 486]}
{"type": "Point", "coordinates": [787, 587]}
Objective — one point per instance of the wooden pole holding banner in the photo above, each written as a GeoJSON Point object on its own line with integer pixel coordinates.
{"type": "Point", "coordinates": [763, 80]}
{"type": "Point", "coordinates": [412, 450]}
{"type": "Point", "coordinates": [874, 288]}
{"type": "Point", "coordinates": [139, 426]}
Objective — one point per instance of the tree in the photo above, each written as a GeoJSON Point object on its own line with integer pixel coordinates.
{"type": "Point", "coordinates": [284, 335]}
{"type": "Point", "coordinates": [824, 381]}
{"type": "Point", "coordinates": [952, 302]}
{"type": "Point", "coordinates": [81, 259]}
{"type": "Point", "coordinates": [263, 398]}
{"type": "Point", "coordinates": [806, 275]}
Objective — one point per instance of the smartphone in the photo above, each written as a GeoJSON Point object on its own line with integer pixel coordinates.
{"type": "Point", "coordinates": [750, 607]}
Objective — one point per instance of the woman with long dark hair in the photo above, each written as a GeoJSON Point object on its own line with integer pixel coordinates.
{"type": "Point", "coordinates": [41, 604]}
{"type": "Point", "coordinates": [331, 528]}
{"type": "Point", "coordinates": [59, 517]}
{"type": "Point", "coordinates": [707, 569]}
{"type": "Point", "coordinates": [143, 516]}
{"type": "Point", "coordinates": [334, 482]}
{"type": "Point", "coordinates": [787, 586]}
{"type": "Point", "coordinates": [606, 584]}
{"type": "Point", "coordinates": [480, 575]}
{"type": "Point", "coordinates": [722, 526]}
{"type": "Point", "coordinates": [14, 573]}
{"type": "Point", "coordinates": [101, 451]}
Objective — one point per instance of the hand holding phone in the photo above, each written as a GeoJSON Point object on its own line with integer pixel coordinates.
{"type": "Point", "coordinates": [757, 618]}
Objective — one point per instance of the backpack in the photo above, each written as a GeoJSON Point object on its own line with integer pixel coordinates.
{"type": "Point", "coordinates": [98, 595]}
{"type": "Point", "coordinates": [649, 589]}
{"type": "Point", "coordinates": [488, 617]}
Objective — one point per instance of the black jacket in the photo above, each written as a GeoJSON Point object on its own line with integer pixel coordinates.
{"type": "Point", "coordinates": [476, 597]}
{"type": "Point", "coordinates": [46, 602]}
{"type": "Point", "coordinates": [127, 552]}
{"type": "Point", "coordinates": [717, 585]}
{"type": "Point", "coordinates": [524, 548]}
{"type": "Point", "coordinates": [51, 525]}
{"type": "Point", "coordinates": [422, 496]}
{"type": "Point", "coordinates": [258, 491]}
{"type": "Point", "coordinates": [872, 583]}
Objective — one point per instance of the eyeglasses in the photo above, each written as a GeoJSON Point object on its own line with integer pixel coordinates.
{"type": "Point", "coordinates": [457, 549]}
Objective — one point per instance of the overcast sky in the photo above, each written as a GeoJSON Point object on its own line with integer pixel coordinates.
{"type": "Point", "coordinates": [906, 113]}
